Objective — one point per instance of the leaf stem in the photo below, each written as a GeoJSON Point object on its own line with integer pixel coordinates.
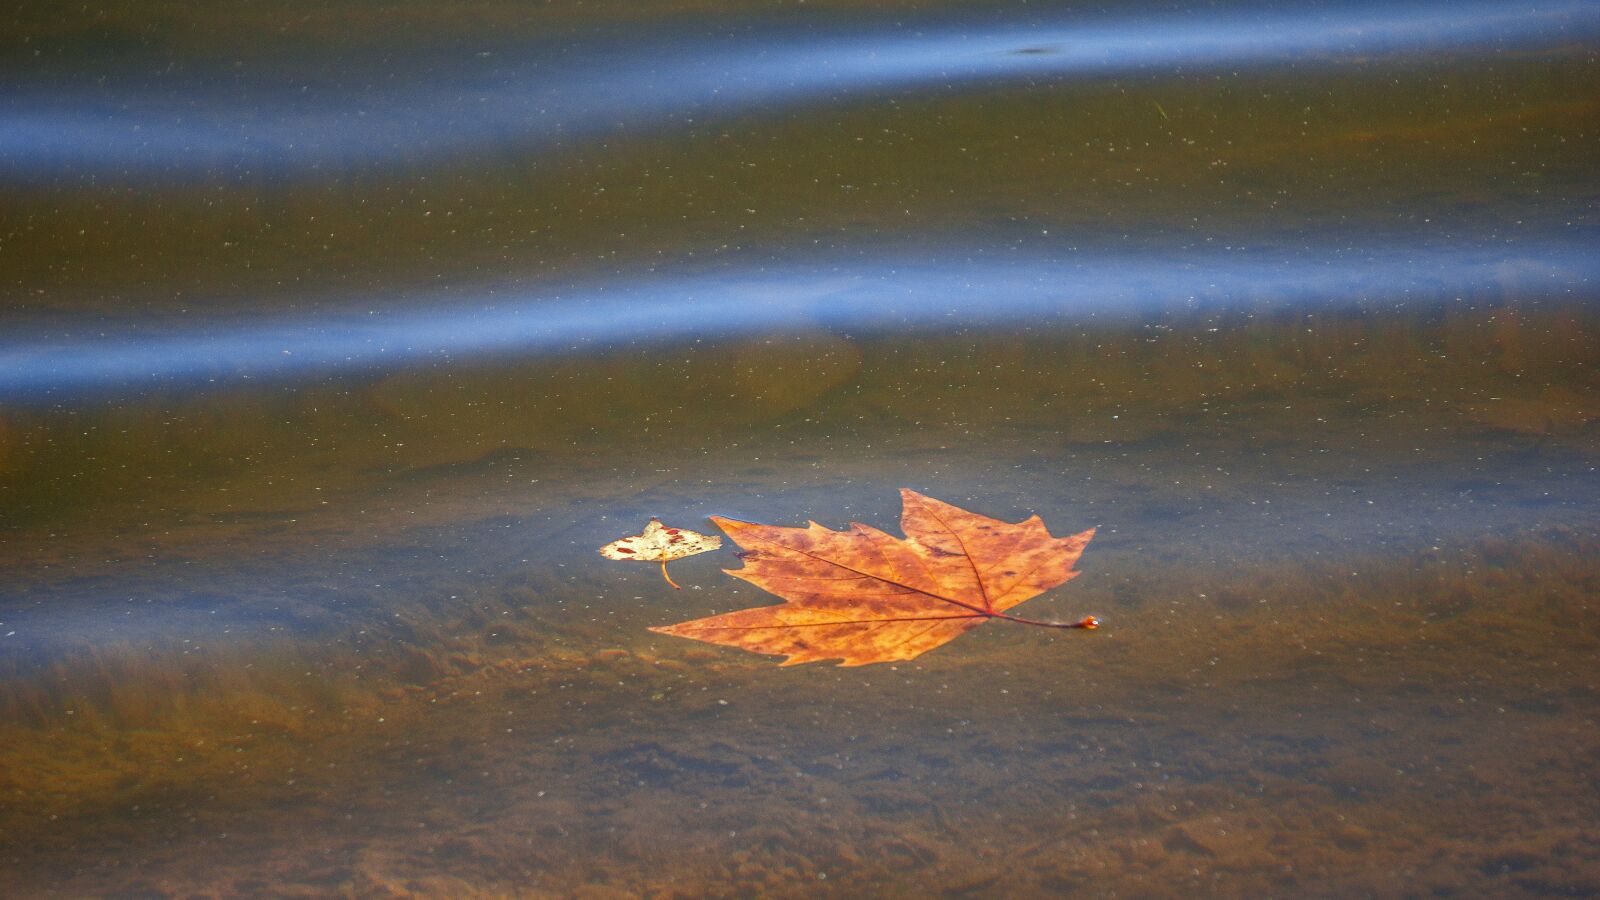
{"type": "Point", "coordinates": [1087, 622]}
{"type": "Point", "coordinates": [668, 577]}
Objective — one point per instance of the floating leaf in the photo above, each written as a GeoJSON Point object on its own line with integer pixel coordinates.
{"type": "Point", "coordinates": [863, 596]}
{"type": "Point", "coordinates": [658, 542]}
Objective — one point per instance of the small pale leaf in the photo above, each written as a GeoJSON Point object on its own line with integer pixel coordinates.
{"type": "Point", "coordinates": [661, 543]}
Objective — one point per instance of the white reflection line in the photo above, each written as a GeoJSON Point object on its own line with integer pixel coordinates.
{"type": "Point", "coordinates": [256, 128]}
{"type": "Point", "coordinates": [877, 294]}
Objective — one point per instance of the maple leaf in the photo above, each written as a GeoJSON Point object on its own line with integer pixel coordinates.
{"type": "Point", "coordinates": [659, 542]}
{"type": "Point", "coordinates": [863, 596]}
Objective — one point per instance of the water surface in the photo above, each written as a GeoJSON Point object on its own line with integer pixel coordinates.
{"type": "Point", "coordinates": [321, 382]}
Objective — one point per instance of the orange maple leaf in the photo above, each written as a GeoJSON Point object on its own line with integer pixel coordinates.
{"type": "Point", "coordinates": [863, 596]}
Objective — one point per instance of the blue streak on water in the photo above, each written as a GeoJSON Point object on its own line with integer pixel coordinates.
{"type": "Point", "coordinates": [261, 128]}
{"type": "Point", "coordinates": [882, 291]}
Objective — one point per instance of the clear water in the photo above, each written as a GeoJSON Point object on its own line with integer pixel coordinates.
{"type": "Point", "coordinates": [337, 339]}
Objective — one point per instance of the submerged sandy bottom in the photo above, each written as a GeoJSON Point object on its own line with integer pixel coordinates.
{"type": "Point", "coordinates": [1427, 726]}
{"type": "Point", "coordinates": [356, 639]}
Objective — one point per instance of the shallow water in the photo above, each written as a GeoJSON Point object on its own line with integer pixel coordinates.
{"type": "Point", "coordinates": [309, 432]}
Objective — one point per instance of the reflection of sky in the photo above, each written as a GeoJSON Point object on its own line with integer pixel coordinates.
{"type": "Point", "coordinates": [872, 292]}
{"type": "Point", "coordinates": [241, 127]}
